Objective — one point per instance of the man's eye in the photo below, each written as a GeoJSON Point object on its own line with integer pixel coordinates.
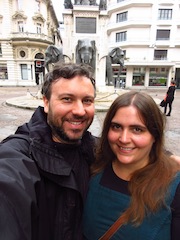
{"type": "Point", "coordinates": [67, 99]}
{"type": "Point", "coordinates": [115, 126]}
{"type": "Point", "coordinates": [88, 101]}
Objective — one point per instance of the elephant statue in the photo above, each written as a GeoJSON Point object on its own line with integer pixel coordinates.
{"type": "Point", "coordinates": [68, 4]}
{"type": "Point", "coordinates": [115, 56]}
{"type": "Point", "coordinates": [81, 2]}
{"type": "Point", "coordinates": [86, 52]}
{"type": "Point", "coordinates": [53, 54]}
{"type": "Point", "coordinates": [77, 2]}
{"type": "Point", "coordinates": [92, 2]}
{"type": "Point", "coordinates": [103, 5]}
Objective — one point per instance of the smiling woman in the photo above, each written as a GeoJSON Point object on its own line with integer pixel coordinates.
{"type": "Point", "coordinates": [133, 179]}
{"type": "Point", "coordinates": [130, 141]}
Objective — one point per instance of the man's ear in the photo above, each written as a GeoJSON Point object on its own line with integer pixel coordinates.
{"type": "Point", "coordinates": [46, 104]}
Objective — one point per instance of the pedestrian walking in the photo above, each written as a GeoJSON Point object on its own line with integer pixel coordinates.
{"type": "Point", "coordinates": [169, 98]}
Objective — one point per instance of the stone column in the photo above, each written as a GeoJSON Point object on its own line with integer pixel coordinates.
{"type": "Point", "coordinates": [87, 22]}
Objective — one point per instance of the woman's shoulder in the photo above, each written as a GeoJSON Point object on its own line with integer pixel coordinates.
{"type": "Point", "coordinates": [175, 184]}
{"type": "Point", "coordinates": [177, 177]}
{"type": "Point", "coordinates": [96, 177]}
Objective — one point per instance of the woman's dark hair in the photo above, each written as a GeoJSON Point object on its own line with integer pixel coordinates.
{"type": "Point", "coordinates": [151, 116]}
{"type": "Point", "coordinates": [68, 71]}
{"type": "Point", "coordinates": [148, 186]}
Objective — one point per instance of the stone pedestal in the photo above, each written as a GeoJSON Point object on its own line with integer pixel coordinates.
{"type": "Point", "coordinates": [86, 22]}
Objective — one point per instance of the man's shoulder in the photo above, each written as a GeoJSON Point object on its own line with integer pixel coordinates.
{"type": "Point", "coordinates": [15, 161]}
{"type": "Point", "coordinates": [16, 137]}
{"type": "Point", "coordinates": [16, 140]}
{"type": "Point", "coordinates": [15, 148]}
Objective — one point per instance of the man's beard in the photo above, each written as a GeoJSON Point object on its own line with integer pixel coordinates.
{"type": "Point", "coordinates": [59, 133]}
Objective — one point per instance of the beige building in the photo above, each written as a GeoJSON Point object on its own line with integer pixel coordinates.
{"type": "Point", "coordinates": [27, 27]}
{"type": "Point", "coordinates": [149, 33]}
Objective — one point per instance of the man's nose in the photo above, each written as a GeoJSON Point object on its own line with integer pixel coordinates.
{"type": "Point", "coordinates": [78, 108]}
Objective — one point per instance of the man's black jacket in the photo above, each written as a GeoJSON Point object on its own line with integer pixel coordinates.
{"type": "Point", "coordinates": [43, 184]}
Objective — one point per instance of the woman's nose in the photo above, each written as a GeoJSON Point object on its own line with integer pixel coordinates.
{"type": "Point", "coordinates": [124, 136]}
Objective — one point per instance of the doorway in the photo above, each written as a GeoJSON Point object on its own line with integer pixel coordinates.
{"type": "Point", "coordinates": [39, 68]}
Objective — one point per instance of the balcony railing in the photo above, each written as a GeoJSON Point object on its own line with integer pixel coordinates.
{"type": "Point", "coordinates": [130, 22]}
{"type": "Point", "coordinates": [116, 4]}
{"type": "Point", "coordinates": [159, 57]}
{"type": "Point", "coordinates": [31, 36]}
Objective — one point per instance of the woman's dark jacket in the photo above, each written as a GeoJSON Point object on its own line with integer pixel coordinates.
{"type": "Point", "coordinates": [170, 94]}
{"type": "Point", "coordinates": [43, 184]}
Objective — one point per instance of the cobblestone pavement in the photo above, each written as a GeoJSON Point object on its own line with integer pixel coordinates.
{"type": "Point", "coordinates": [11, 117]}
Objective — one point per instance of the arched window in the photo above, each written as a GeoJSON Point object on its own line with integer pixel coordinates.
{"type": "Point", "coordinates": [39, 56]}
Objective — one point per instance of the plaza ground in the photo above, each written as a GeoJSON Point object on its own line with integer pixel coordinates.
{"type": "Point", "coordinates": [12, 116]}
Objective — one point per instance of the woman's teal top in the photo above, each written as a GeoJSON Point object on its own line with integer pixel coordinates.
{"type": "Point", "coordinates": [104, 206]}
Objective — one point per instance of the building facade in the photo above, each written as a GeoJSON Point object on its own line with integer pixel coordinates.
{"type": "Point", "coordinates": [149, 33]}
{"type": "Point", "coordinates": [26, 29]}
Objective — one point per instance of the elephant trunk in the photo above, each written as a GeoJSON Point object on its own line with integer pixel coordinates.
{"type": "Point", "coordinates": [86, 58]}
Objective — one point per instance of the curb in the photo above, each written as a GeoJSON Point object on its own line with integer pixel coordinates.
{"type": "Point", "coordinates": [102, 104]}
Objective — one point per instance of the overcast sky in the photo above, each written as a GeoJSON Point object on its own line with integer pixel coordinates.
{"type": "Point", "coordinates": [58, 8]}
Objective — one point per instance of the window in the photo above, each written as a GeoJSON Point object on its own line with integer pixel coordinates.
{"type": "Point", "coordinates": [138, 76]}
{"type": "Point", "coordinates": [160, 55]}
{"type": "Point", "coordinates": [22, 53]}
{"type": "Point", "coordinates": [0, 50]}
{"type": "Point", "coordinates": [20, 26]}
{"type": "Point", "coordinates": [3, 71]}
{"type": "Point", "coordinates": [121, 17]}
{"type": "Point", "coordinates": [157, 77]}
{"type": "Point", "coordinates": [85, 25]}
{"type": "Point", "coordinates": [1, 23]}
{"type": "Point", "coordinates": [39, 56]}
{"type": "Point", "coordinates": [119, 82]}
{"type": "Point", "coordinates": [38, 27]}
{"type": "Point", "coordinates": [20, 4]}
{"type": "Point", "coordinates": [118, 1]}
{"type": "Point", "coordinates": [163, 35]}
{"type": "Point", "coordinates": [153, 70]}
{"type": "Point", "coordinates": [24, 72]}
{"type": "Point", "coordinates": [120, 37]}
{"type": "Point", "coordinates": [164, 14]}
{"type": "Point", "coordinates": [164, 70]}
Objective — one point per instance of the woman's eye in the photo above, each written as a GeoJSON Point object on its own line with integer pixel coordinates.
{"type": "Point", "coordinates": [137, 129]}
